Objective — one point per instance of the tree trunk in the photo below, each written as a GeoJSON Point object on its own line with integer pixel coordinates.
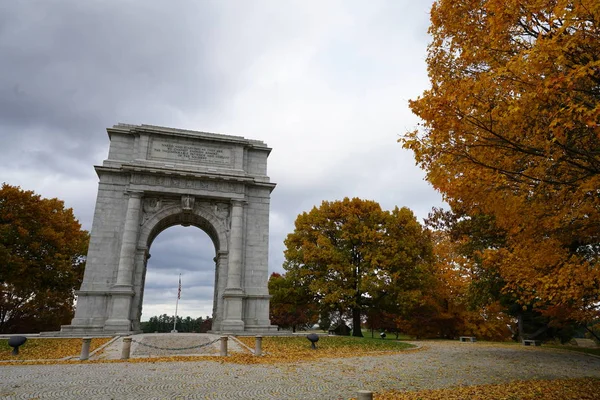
{"type": "Point", "coordinates": [356, 331]}
{"type": "Point", "coordinates": [592, 332]}
{"type": "Point", "coordinates": [520, 324]}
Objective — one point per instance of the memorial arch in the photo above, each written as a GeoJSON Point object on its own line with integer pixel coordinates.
{"type": "Point", "coordinates": [155, 178]}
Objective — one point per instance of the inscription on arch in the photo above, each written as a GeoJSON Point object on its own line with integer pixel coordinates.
{"type": "Point", "coordinates": [187, 183]}
{"type": "Point", "coordinates": [190, 152]}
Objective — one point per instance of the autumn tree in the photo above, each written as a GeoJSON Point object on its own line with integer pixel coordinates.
{"type": "Point", "coordinates": [292, 305]}
{"type": "Point", "coordinates": [473, 288]}
{"type": "Point", "coordinates": [462, 241]}
{"type": "Point", "coordinates": [469, 288]}
{"type": "Point", "coordinates": [511, 129]}
{"type": "Point", "coordinates": [351, 255]}
{"type": "Point", "coordinates": [42, 251]}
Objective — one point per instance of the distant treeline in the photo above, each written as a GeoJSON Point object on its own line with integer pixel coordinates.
{"type": "Point", "coordinates": [164, 323]}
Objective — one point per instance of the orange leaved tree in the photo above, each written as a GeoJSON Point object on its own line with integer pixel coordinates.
{"type": "Point", "coordinates": [511, 129]}
{"type": "Point", "coordinates": [292, 306]}
{"type": "Point", "coordinates": [42, 255]}
{"type": "Point", "coordinates": [353, 256]}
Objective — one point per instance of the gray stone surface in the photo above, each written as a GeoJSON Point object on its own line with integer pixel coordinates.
{"type": "Point", "coordinates": [170, 344]}
{"type": "Point", "coordinates": [589, 343]}
{"type": "Point", "coordinates": [157, 177]}
{"type": "Point", "coordinates": [440, 364]}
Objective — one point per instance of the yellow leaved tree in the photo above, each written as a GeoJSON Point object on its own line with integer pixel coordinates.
{"type": "Point", "coordinates": [511, 129]}
{"type": "Point", "coordinates": [353, 256]}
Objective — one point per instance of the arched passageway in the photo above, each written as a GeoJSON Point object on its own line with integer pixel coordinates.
{"type": "Point", "coordinates": [180, 250]}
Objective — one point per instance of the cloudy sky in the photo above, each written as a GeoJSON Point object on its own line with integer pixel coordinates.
{"type": "Point", "coordinates": [324, 83]}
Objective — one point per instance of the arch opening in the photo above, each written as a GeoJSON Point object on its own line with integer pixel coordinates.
{"type": "Point", "coordinates": [184, 220]}
{"type": "Point", "coordinates": [188, 251]}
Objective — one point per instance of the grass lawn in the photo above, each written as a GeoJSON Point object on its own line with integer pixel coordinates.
{"type": "Point", "coordinates": [47, 349]}
{"type": "Point", "coordinates": [586, 350]}
{"type": "Point", "coordinates": [281, 349]}
{"type": "Point", "coordinates": [297, 348]}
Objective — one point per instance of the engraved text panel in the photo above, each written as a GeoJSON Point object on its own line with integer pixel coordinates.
{"type": "Point", "coordinates": [190, 153]}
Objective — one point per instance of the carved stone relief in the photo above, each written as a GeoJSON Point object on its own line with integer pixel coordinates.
{"type": "Point", "coordinates": [219, 210]}
{"type": "Point", "coordinates": [187, 203]}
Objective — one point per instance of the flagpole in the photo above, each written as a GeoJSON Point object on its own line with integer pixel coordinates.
{"type": "Point", "coordinates": [176, 305]}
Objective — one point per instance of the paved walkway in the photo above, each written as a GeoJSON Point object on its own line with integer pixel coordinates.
{"type": "Point", "coordinates": [440, 364]}
{"type": "Point", "coordinates": [162, 344]}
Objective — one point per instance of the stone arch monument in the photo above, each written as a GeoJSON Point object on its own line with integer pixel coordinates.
{"type": "Point", "coordinates": [154, 178]}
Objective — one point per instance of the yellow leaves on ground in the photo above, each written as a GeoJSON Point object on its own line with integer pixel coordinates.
{"type": "Point", "coordinates": [281, 350]}
{"type": "Point", "coordinates": [560, 389]}
{"type": "Point", "coordinates": [298, 349]}
{"type": "Point", "coordinates": [48, 349]}
{"type": "Point", "coordinates": [275, 350]}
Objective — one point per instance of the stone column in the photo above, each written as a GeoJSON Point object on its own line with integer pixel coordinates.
{"type": "Point", "coordinates": [236, 243]}
{"type": "Point", "coordinates": [126, 349]}
{"type": "Point", "coordinates": [234, 294]}
{"type": "Point", "coordinates": [215, 294]}
{"type": "Point", "coordinates": [139, 274]}
{"type": "Point", "coordinates": [258, 346]}
{"type": "Point", "coordinates": [364, 395]}
{"type": "Point", "coordinates": [222, 259]}
{"type": "Point", "coordinates": [223, 349]}
{"type": "Point", "coordinates": [122, 291]}
{"type": "Point", "coordinates": [85, 348]}
{"type": "Point", "coordinates": [129, 241]}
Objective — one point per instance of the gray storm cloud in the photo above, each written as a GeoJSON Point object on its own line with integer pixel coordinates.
{"type": "Point", "coordinates": [326, 86]}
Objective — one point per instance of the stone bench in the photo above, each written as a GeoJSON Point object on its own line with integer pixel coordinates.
{"type": "Point", "coordinates": [529, 342]}
{"type": "Point", "coordinates": [470, 339]}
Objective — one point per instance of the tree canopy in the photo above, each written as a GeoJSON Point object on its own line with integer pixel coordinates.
{"type": "Point", "coordinates": [511, 129]}
{"type": "Point", "coordinates": [353, 255]}
{"type": "Point", "coordinates": [292, 306]}
{"type": "Point", "coordinates": [164, 324]}
{"type": "Point", "coordinates": [42, 251]}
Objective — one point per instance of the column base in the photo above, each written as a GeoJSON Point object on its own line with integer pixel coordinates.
{"type": "Point", "coordinates": [261, 329]}
{"type": "Point", "coordinates": [233, 292]}
{"type": "Point", "coordinates": [117, 325]}
{"type": "Point", "coordinates": [77, 331]}
{"type": "Point", "coordinates": [232, 326]}
{"type": "Point", "coordinates": [233, 301]}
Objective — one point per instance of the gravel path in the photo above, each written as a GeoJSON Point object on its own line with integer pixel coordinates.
{"type": "Point", "coordinates": [439, 364]}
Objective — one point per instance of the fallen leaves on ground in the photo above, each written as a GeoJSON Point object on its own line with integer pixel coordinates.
{"type": "Point", "coordinates": [559, 389]}
{"type": "Point", "coordinates": [47, 348]}
{"type": "Point", "coordinates": [298, 348]}
{"type": "Point", "coordinates": [586, 350]}
{"type": "Point", "coordinates": [275, 350]}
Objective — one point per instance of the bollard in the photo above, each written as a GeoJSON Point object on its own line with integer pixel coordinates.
{"type": "Point", "coordinates": [364, 395]}
{"type": "Point", "coordinates": [85, 348]}
{"type": "Point", "coordinates": [126, 349]}
{"type": "Point", "coordinates": [15, 342]}
{"type": "Point", "coordinates": [223, 346]}
{"type": "Point", "coordinates": [258, 346]}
